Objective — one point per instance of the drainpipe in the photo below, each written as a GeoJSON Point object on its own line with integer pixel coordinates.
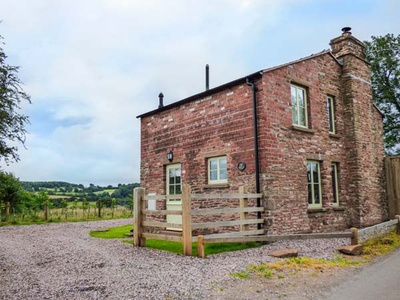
{"type": "Point", "coordinates": [256, 157]}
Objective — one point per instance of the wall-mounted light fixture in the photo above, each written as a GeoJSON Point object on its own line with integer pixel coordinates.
{"type": "Point", "coordinates": [170, 156]}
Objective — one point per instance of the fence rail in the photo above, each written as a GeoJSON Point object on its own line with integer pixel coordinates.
{"type": "Point", "coordinates": [244, 235]}
{"type": "Point", "coordinates": [141, 212]}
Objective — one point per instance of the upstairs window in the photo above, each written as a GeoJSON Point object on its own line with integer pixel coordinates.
{"type": "Point", "coordinates": [217, 170]}
{"type": "Point", "coordinates": [314, 184]}
{"type": "Point", "coordinates": [299, 106]}
{"type": "Point", "coordinates": [331, 114]}
{"type": "Point", "coordinates": [335, 183]}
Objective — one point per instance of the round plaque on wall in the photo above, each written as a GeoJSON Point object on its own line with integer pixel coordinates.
{"type": "Point", "coordinates": [241, 166]}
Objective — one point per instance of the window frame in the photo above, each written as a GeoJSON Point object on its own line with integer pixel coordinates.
{"type": "Point", "coordinates": [331, 114]}
{"type": "Point", "coordinates": [311, 184]}
{"type": "Point", "coordinates": [335, 183]}
{"type": "Point", "coordinates": [297, 108]}
{"type": "Point", "coordinates": [218, 180]}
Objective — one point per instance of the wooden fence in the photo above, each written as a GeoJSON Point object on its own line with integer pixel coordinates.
{"type": "Point", "coordinates": [392, 165]}
{"type": "Point", "coordinates": [141, 211]}
{"type": "Point", "coordinates": [141, 224]}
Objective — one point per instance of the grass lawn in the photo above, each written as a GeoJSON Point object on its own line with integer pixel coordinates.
{"type": "Point", "coordinates": [175, 247]}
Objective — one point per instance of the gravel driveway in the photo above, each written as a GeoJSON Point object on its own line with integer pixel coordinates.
{"type": "Point", "coordinates": [61, 261]}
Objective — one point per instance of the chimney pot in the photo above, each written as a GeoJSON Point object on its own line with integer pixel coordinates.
{"type": "Point", "coordinates": [346, 29]}
{"type": "Point", "coordinates": [161, 98]}
{"type": "Point", "coordinates": [207, 77]}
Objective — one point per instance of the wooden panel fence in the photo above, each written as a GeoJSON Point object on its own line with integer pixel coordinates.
{"type": "Point", "coordinates": [392, 165]}
{"type": "Point", "coordinates": [244, 235]}
{"type": "Point", "coordinates": [141, 209]}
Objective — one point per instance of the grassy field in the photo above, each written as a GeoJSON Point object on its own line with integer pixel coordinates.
{"type": "Point", "coordinates": [175, 247]}
{"type": "Point", "coordinates": [109, 191]}
{"type": "Point", "coordinates": [70, 215]}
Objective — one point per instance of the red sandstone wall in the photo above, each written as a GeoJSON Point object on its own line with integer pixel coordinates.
{"type": "Point", "coordinates": [221, 124]}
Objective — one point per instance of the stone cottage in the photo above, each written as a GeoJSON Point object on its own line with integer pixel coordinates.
{"type": "Point", "coordinates": [306, 134]}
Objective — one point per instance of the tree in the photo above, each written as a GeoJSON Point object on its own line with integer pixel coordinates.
{"type": "Point", "coordinates": [12, 123]}
{"type": "Point", "coordinates": [9, 188]}
{"type": "Point", "coordinates": [383, 53]}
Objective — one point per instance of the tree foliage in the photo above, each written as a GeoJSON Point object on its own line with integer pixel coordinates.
{"type": "Point", "coordinates": [383, 53]}
{"type": "Point", "coordinates": [12, 123]}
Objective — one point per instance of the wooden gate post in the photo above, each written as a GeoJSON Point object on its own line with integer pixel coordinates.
{"type": "Point", "coordinates": [7, 211]}
{"type": "Point", "coordinates": [243, 203]}
{"type": "Point", "coordinates": [354, 239]}
{"type": "Point", "coordinates": [186, 219]}
{"type": "Point", "coordinates": [138, 194]}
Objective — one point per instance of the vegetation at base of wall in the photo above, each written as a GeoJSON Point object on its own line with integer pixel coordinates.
{"type": "Point", "coordinates": [175, 247]}
{"type": "Point", "coordinates": [381, 245]}
{"type": "Point", "coordinates": [372, 248]}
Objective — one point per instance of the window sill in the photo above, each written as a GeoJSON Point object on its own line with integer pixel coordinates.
{"type": "Point", "coordinates": [317, 210]}
{"type": "Point", "coordinates": [303, 129]}
{"type": "Point", "coordinates": [334, 135]}
{"type": "Point", "coordinates": [216, 186]}
{"type": "Point", "coordinates": [338, 208]}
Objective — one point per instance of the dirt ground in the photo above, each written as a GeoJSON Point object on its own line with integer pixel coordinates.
{"type": "Point", "coordinates": [300, 285]}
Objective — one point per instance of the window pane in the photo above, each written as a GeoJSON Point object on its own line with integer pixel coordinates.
{"type": "Point", "coordinates": [223, 174]}
{"type": "Point", "coordinates": [310, 194]}
{"type": "Point", "coordinates": [316, 194]}
{"type": "Point", "coordinates": [171, 189]}
{"type": "Point", "coordinates": [222, 163]}
{"type": "Point", "coordinates": [295, 119]}
{"type": "Point", "coordinates": [300, 97]}
{"type": "Point", "coordinates": [308, 172]}
{"type": "Point", "coordinates": [178, 189]}
{"type": "Point", "coordinates": [302, 117]}
{"type": "Point", "coordinates": [293, 95]}
{"type": "Point", "coordinates": [213, 175]}
{"type": "Point", "coordinates": [213, 164]}
{"type": "Point", "coordinates": [331, 115]}
{"type": "Point", "coordinates": [335, 184]}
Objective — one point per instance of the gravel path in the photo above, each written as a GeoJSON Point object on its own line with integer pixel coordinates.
{"type": "Point", "coordinates": [61, 261]}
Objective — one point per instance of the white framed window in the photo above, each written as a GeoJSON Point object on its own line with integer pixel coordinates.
{"type": "Point", "coordinates": [314, 184]}
{"type": "Point", "coordinates": [330, 103]}
{"type": "Point", "coordinates": [217, 170]}
{"type": "Point", "coordinates": [335, 183]}
{"type": "Point", "coordinates": [299, 106]}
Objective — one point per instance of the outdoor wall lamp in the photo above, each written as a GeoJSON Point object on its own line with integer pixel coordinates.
{"type": "Point", "coordinates": [170, 156]}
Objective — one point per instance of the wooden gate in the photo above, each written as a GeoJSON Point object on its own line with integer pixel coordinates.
{"type": "Point", "coordinates": [392, 165]}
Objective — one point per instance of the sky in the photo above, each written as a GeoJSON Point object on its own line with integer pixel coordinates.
{"type": "Point", "coordinates": [92, 66]}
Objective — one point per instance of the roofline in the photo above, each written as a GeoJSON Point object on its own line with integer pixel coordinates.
{"type": "Point", "coordinates": [303, 59]}
{"type": "Point", "coordinates": [378, 109]}
{"type": "Point", "coordinates": [206, 93]}
{"type": "Point", "coordinates": [233, 83]}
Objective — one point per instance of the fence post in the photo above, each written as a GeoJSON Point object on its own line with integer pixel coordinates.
{"type": "Point", "coordinates": [354, 239]}
{"type": "Point", "coordinates": [7, 211]}
{"type": "Point", "coordinates": [201, 251]}
{"type": "Point", "coordinates": [186, 219]}
{"type": "Point", "coordinates": [398, 224]}
{"type": "Point", "coordinates": [243, 203]}
{"type": "Point", "coordinates": [99, 212]}
{"type": "Point", "coordinates": [46, 210]}
{"type": "Point", "coordinates": [138, 194]}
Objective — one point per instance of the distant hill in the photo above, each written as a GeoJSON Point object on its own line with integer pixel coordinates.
{"type": "Point", "coordinates": [72, 191]}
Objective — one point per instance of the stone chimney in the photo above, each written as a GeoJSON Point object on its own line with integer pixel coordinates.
{"type": "Point", "coordinates": [363, 134]}
{"type": "Point", "coordinates": [347, 44]}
